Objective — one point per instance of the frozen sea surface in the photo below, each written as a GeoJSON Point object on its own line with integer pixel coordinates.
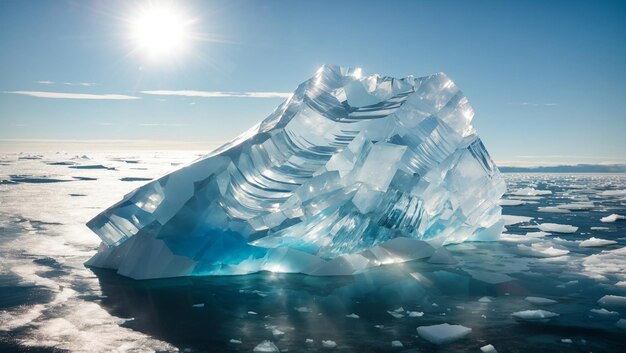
{"type": "Point", "coordinates": [50, 302]}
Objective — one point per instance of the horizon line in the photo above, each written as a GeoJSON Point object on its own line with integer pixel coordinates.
{"type": "Point", "coordinates": [15, 145]}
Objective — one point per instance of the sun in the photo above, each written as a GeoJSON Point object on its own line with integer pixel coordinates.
{"type": "Point", "coordinates": [160, 31]}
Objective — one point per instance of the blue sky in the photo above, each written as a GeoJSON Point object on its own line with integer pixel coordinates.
{"type": "Point", "coordinates": [546, 78]}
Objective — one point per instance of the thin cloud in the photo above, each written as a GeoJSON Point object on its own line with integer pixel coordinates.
{"type": "Point", "coordinates": [45, 82]}
{"type": "Point", "coordinates": [84, 84]}
{"type": "Point", "coordinates": [539, 104]}
{"type": "Point", "coordinates": [218, 94]}
{"type": "Point", "coordinates": [162, 124]}
{"type": "Point", "coordinates": [63, 95]}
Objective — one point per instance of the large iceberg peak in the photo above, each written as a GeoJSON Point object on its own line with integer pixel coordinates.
{"type": "Point", "coordinates": [350, 172]}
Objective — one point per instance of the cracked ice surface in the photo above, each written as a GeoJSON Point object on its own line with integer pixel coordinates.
{"type": "Point", "coordinates": [329, 184]}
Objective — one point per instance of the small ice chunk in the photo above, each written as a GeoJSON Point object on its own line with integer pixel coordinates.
{"type": "Point", "coordinates": [415, 313]}
{"type": "Point", "coordinates": [395, 314]}
{"type": "Point", "coordinates": [329, 344]}
{"type": "Point", "coordinates": [277, 333]}
{"type": "Point", "coordinates": [484, 300]}
{"type": "Point", "coordinates": [621, 323]}
{"type": "Point", "coordinates": [566, 340]}
{"type": "Point", "coordinates": [234, 341]}
{"type": "Point", "coordinates": [488, 349]}
{"type": "Point", "coordinates": [252, 313]}
{"type": "Point", "coordinates": [541, 250]}
{"type": "Point", "coordinates": [534, 315]}
{"type": "Point", "coordinates": [302, 309]}
{"type": "Point", "coordinates": [353, 316]}
{"type": "Point", "coordinates": [592, 242]}
{"type": "Point", "coordinates": [540, 301]}
{"type": "Point", "coordinates": [600, 228]}
{"type": "Point", "coordinates": [201, 305]}
{"type": "Point", "coordinates": [531, 192]}
{"type": "Point", "coordinates": [557, 228]}
{"type": "Point", "coordinates": [399, 310]}
{"type": "Point", "coordinates": [539, 234]}
{"type": "Point", "coordinates": [603, 313]}
{"type": "Point", "coordinates": [396, 344]}
{"type": "Point", "coordinates": [552, 209]}
{"type": "Point", "coordinates": [266, 347]}
{"type": "Point", "coordinates": [613, 301]}
{"type": "Point", "coordinates": [612, 218]}
{"type": "Point", "coordinates": [379, 326]}
{"type": "Point", "coordinates": [309, 341]}
{"type": "Point", "coordinates": [443, 333]}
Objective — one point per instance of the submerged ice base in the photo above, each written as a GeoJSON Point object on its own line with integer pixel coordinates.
{"type": "Point", "coordinates": [350, 172]}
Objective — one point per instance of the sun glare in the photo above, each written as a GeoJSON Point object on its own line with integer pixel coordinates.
{"type": "Point", "coordinates": [160, 31]}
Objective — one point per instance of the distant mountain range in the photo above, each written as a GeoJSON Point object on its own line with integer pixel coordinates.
{"type": "Point", "coordinates": [576, 168]}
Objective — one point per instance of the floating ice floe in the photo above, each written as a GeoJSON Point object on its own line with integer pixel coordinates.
{"type": "Point", "coordinates": [577, 206]}
{"type": "Point", "coordinates": [613, 301]}
{"type": "Point", "coordinates": [415, 313]}
{"type": "Point", "coordinates": [552, 209]}
{"type": "Point", "coordinates": [566, 340]}
{"type": "Point", "coordinates": [277, 333]}
{"type": "Point", "coordinates": [557, 228]}
{"type": "Point", "coordinates": [541, 250]}
{"type": "Point", "coordinates": [614, 192]}
{"type": "Point", "coordinates": [484, 300]}
{"type": "Point", "coordinates": [534, 315]}
{"type": "Point", "coordinates": [488, 349]}
{"type": "Point", "coordinates": [603, 313]}
{"type": "Point", "coordinates": [612, 218]}
{"type": "Point", "coordinates": [593, 242]}
{"type": "Point", "coordinates": [443, 333]}
{"type": "Point", "coordinates": [266, 347]}
{"type": "Point", "coordinates": [610, 263]}
{"type": "Point", "coordinates": [396, 344]}
{"type": "Point", "coordinates": [539, 234]}
{"type": "Point", "coordinates": [600, 228]}
{"type": "Point", "coordinates": [621, 323]}
{"type": "Point", "coordinates": [540, 301]}
{"type": "Point", "coordinates": [329, 344]}
{"type": "Point", "coordinates": [234, 341]}
{"type": "Point", "coordinates": [309, 341]}
{"type": "Point", "coordinates": [352, 171]}
{"type": "Point", "coordinates": [531, 192]}
{"type": "Point", "coordinates": [353, 316]}
{"type": "Point", "coordinates": [397, 313]}
{"type": "Point", "coordinates": [302, 309]}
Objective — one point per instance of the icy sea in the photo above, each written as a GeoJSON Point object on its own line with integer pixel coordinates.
{"type": "Point", "coordinates": [564, 253]}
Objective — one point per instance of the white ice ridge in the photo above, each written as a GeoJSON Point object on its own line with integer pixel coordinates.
{"type": "Point", "coordinates": [351, 171]}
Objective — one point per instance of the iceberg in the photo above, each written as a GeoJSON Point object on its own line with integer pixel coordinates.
{"type": "Point", "coordinates": [352, 171]}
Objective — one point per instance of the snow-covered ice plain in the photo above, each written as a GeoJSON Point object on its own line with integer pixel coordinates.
{"type": "Point", "coordinates": [557, 256]}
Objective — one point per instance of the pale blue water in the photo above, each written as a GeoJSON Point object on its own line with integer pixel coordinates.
{"type": "Point", "coordinates": [50, 302]}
